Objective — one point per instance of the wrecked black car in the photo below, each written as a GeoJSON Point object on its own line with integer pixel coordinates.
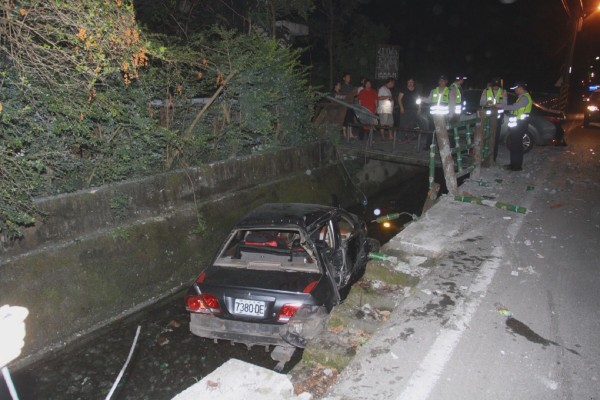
{"type": "Point", "coordinates": [278, 275]}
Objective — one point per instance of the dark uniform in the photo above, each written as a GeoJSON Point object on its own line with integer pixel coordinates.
{"type": "Point", "coordinates": [517, 125]}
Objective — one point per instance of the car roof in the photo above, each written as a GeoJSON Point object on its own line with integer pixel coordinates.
{"type": "Point", "coordinates": [285, 214]}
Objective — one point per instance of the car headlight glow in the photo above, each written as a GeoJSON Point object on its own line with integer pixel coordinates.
{"type": "Point", "coordinates": [593, 108]}
{"type": "Point", "coordinates": [377, 211]}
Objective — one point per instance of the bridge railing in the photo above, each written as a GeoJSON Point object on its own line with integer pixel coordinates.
{"type": "Point", "coordinates": [463, 146]}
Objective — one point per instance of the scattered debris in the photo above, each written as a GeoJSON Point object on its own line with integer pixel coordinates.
{"type": "Point", "coordinates": [317, 382]}
{"type": "Point", "coordinates": [366, 309]}
{"type": "Point", "coordinates": [212, 384]}
{"type": "Point", "coordinates": [336, 329]}
{"type": "Point", "coordinates": [174, 324]}
{"type": "Point", "coordinates": [528, 270]}
{"type": "Point", "coordinates": [410, 270]}
{"type": "Point", "coordinates": [505, 313]}
{"type": "Point", "coordinates": [162, 340]}
{"type": "Point", "coordinates": [376, 284]}
{"type": "Point", "coordinates": [515, 273]}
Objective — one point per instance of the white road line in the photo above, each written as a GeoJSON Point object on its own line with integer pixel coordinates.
{"type": "Point", "coordinates": [424, 379]}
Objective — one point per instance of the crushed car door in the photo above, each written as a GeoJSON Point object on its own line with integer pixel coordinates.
{"type": "Point", "coordinates": [326, 245]}
{"type": "Point", "coordinates": [353, 240]}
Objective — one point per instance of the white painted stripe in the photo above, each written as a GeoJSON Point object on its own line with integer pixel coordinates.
{"type": "Point", "coordinates": [424, 379]}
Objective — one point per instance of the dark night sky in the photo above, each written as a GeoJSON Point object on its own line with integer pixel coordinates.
{"type": "Point", "coordinates": [484, 38]}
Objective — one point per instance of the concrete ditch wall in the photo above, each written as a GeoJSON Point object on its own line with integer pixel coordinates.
{"type": "Point", "coordinates": [104, 253]}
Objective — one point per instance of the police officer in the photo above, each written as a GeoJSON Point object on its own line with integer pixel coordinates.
{"type": "Point", "coordinates": [492, 95]}
{"type": "Point", "coordinates": [456, 95]}
{"type": "Point", "coordinates": [439, 98]}
{"type": "Point", "coordinates": [440, 103]}
{"type": "Point", "coordinates": [517, 124]}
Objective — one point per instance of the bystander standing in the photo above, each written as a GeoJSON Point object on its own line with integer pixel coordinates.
{"type": "Point", "coordinates": [385, 108]}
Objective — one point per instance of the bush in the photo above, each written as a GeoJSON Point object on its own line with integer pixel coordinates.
{"type": "Point", "coordinates": [78, 125]}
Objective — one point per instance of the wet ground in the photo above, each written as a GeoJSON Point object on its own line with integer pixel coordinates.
{"type": "Point", "coordinates": [168, 358]}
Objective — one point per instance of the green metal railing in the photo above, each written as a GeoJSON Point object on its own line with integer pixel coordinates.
{"type": "Point", "coordinates": [467, 152]}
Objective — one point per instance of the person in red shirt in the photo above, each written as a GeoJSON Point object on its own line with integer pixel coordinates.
{"type": "Point", "coordinates": [367, 98]}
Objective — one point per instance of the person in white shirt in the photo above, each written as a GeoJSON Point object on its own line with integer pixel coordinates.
{"type": "Point", "coordinates": [385, 108]}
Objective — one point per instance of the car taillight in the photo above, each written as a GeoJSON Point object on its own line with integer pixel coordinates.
{"type": "Point", "coordinates": [554, 120]}
{"type": "Point", "coordinates": [287, 312]}
{"type": "Point", "coordinates": [205, 304]}
{"type": "Point", "coordinates": [310, 287]}
{"type": "Point", "coordinates": [201, 278]}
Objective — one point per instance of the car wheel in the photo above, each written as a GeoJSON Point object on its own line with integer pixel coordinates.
{"type": "Point", "coordinates": [528, 142]}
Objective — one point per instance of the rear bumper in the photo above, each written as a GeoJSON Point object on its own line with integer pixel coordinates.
{"type": "Point", "coordinates": [302, 327]}
{"type": "Point", "coordinates": [248, 333]}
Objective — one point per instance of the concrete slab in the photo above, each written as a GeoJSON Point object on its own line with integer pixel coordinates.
{"type": "Point", "coordinates": [434, 232]}
{"type": "Point", "coordinates": [237, 379]}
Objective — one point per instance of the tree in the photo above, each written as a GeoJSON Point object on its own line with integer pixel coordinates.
{"type": "Point", "coordinates": [76, 110]}
{"type": "Point", "coordinates": [76, 44]}
{"type": "Point", "coordinates": [333, 30]}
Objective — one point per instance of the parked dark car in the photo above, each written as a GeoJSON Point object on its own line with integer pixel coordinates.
{"type": "Point", "coordinates": [592, 109]}
{"type": "Point", "coordinates": [278, 275]}
{"type": "Point", "coordinates": [544, 128]}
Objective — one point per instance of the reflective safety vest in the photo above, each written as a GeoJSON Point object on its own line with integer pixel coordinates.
{"type": "Point", "coordinates": [521, 113]}
{"type": "Point", "coordinates": [440, 101]}
{"type": "Point", "coordinates": [493, 99]}
{"type": "Point", "coordinates": [458, 99]}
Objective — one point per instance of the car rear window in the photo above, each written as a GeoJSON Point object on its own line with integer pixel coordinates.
{"type": "Point", "coordinates": [267, 249]}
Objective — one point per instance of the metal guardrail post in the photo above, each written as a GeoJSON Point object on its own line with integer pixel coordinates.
{"type": "Point", "coordinates": [478, 144]}
{"type": "Point", "coordinates": [457, 149]}
{"type": "Point", "coordinates": [432, 165]}
{"type": "Point", "coordinates": [486, 136]}
{"type": "Point", "coordinates": [469, 136]}
{"type": "Point", "coordinates": [489, 136]}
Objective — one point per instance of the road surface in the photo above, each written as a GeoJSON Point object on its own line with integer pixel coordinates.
{"type": "Point", "coordinates": [512, 311]}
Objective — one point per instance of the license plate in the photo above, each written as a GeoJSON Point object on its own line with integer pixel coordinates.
{"type": "Point", "coordinates": [249, 307]}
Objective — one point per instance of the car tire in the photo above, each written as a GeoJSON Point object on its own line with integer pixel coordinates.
{"type": "Point", "coordinates": [528, 142]}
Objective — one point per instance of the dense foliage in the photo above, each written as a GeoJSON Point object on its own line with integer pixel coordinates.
{"type": "Point", "coordinates": [87, 98]}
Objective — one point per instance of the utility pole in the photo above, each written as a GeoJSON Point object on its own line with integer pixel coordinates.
{"type": "Point", "coordinates": [575, 21]}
